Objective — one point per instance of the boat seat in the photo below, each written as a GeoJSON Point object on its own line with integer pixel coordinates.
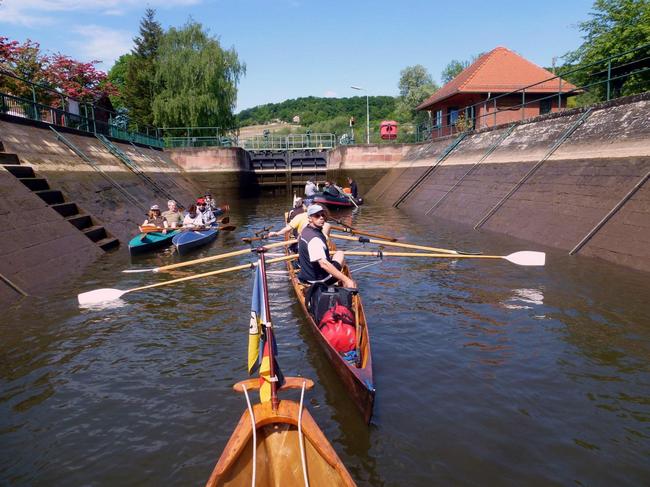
{"type": "Point", "coordinates": [289, 383]}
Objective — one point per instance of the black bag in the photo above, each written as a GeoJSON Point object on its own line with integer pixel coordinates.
{"type": "Point", "coordinates": [320, 298]}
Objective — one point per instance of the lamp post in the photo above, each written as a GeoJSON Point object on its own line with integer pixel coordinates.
{"type": "Point", "coordinates": [367, 112]}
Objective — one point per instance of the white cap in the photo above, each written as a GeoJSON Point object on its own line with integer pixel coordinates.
{"type": "Point", "coordinates": [154, 207]}
{"type": "Point", "coordinates": [313, 209]}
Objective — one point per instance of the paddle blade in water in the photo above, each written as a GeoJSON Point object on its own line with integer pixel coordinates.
{"type": "Point", "coordinates": [99, 296]}
{"type": "Point", "coordinates": [228, 228]}
{"type": "Point", "coordinates": [527, 257]}
{"type": "Point", "coordinates": [225, 220]}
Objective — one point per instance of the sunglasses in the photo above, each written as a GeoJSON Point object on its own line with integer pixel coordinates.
{"type": "Point", "coordinates": [318, 215]}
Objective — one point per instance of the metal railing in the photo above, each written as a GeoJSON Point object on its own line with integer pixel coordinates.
{"type": "Point", "coordinates": [42, 107]}
{"type": "Point", "coordinates": [198, 137]}
{"type": "Point", "coordinates": [527, 101]}
{"type": "Point", "coordinates": [289, 142]}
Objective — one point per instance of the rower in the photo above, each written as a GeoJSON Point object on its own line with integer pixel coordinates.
{"type": "Point", "coordinates": [310, 191]}
{"type": "Point", "coordinates": [173, 217]}
{"type": "Point", "coordinates": [193, 219]}
{"type": "Point", "coordinates": [316, 265]}
{"type": "Point", "coordinates": [296, 225]}
{"type": "Point", "coordinates": [354, 190]}
{"type": "Point", "coordinates": [154, 217]}
{"type": "Point", "coordinates": [298, 207]}
{"type": "Point", "coordinates": [206, 212]}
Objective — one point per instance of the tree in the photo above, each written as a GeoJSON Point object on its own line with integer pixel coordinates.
{"type": "Point", "coordinates": [25, 61]}
{"type": "Point", "coordinates": [453, 69]}
{"type": "Point", "coordinates": [415, 86]}
{"type": "Point", "coordinates": [196, 80]}
{"type": "Point", "coordinates": [78, 80]}
{"type": "Point", "coordinates": [138, 92]}
{"type": "Point", "coordinates": [117, 76]}
{"type": "Point", "coordinates": [413, 77]}
{"type": "Point", "coordinates": [616, 26]}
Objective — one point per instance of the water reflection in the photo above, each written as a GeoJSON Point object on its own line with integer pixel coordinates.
{"type": "Point", "coordinates": [486, 373]}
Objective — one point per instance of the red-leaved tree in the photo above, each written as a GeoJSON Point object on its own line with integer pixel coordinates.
{"type": "Point", "coordinates": [77, 79]}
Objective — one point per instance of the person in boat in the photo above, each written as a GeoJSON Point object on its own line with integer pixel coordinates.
{"type": "Point", "coordinates": [206, 213]}
{"type": "Point", "coordinates": [154, 218]}
{"type": "Point", "coordinates": [310, 190]}
{"type": "Point", "coordinates": [173, 217]}
{"type": "Point", "coordinates": [354, 189]}
{"type": "Point", "coordinates": [193, 219]}
{"type": "Point", "coordinates": [316, 265]}
{"type": "Point", "coordinates": [298, 208]}
{"type": "Point", "coordinates": [297, 224]}
{"type": "Point", "coordinates": [330, 189]}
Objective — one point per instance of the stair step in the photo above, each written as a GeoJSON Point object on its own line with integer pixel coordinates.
{"type": "Point", "coordinates": [35, 184]}
{"type": "Point", "coordinates": [66, 209]}
{"type": "Point", "coordinates": [20, 171]}
{"type": "Point", "coordinates": [95, 233]}
{"type": "Point", "coordinates": [80, 221]}
{"type": "Point", "coordinates": [108, 243]}
{"type": "Point", "coordinates": [50, 196]}
{"type": "Point", "coordinates": [7, 158]}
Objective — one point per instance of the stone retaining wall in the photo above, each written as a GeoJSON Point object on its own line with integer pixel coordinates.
{"type": "Point", "coordinates": [562, 200]}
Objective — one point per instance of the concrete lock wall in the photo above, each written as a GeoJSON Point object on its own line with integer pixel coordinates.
{"type": "Point", "coordinates": [36, 237]}
{"type": "Point", "coordinates": [562, 200]}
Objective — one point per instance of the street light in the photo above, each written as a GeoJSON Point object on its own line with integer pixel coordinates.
{"type": "Point", "coordinates": [367, 113]}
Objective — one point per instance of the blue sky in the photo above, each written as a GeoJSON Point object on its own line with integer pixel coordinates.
{"type": "Point", "coordinates": [295, 48]}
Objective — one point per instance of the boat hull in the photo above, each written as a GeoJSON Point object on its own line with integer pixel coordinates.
{"type": "Point", "coordinates": [358, 381]}
{"type": "Point", "coordinates": [187, 241]}
{"type": "Point", "coordinates": [278, 452]}
{"type": "Point", "coordinates": [150, 242]}
{"type": "Point", "coordinates": [335, 202]}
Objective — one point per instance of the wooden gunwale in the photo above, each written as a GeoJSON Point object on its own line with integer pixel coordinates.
{"type": "Point", "coordinates": [358, 381]}
{"type": "Point", "coordinates": [287, 413]}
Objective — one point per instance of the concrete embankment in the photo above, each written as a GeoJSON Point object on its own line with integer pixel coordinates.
{"type": "Point", "coordinates": [573, 180]}
{"type": "Point", "coordinates": [49, 228]}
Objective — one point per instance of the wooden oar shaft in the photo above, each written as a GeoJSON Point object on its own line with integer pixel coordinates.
{"type": "Point", "coordinates": [211, 273]}
{"type": "Point", "coordinates": [221, 256]}
{"type": "Point", "coordinates": [396, 244]}
{"type": "Point", "coordinates": [354, 231]}
{"type": "Point", "coordinates": [420, 254]}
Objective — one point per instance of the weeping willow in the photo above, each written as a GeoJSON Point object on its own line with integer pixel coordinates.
{"type": "Point", "coordinates": [196, 80]}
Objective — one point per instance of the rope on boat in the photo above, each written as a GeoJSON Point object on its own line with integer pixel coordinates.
{"type": "Point", "coordinates": [250, 411]}
{"type": "Point", "coordinates": [300, 438]}
{"type": "Point", "coordinates": [357, 269]}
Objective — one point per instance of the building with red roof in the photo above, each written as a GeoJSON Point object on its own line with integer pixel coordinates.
{"type": "Point", "coordinates": [491, 92]}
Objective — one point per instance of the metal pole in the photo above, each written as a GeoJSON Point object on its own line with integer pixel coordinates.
{"type": "Point", "coordinates": [523, 103]}
{"type": "Point", "coordinates": [609, 76]}
{"type": "Point", "coordinates": [269, 333]}
{"type": "Point", "coordinates": [367, 120]}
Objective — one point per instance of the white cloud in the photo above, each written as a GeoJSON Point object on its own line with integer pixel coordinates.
{"type": "Point", "coordinates": [330, 94]}
{"type": "Point", "coordinates": [32, 13]}
{"type": "Point", "coordinates": [102, 44]}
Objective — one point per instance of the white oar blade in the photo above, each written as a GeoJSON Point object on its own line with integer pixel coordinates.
{"type": "Point", "coordinates": [527, 257]}
{"type": "Point", "coordinates": [133, 271]}
{"type": "Point", "coordinates": [99, 296]}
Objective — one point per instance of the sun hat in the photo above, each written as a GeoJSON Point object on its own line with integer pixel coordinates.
{"type": "Point", "coordinates": [313, 209]}
{"type": "Point", "coordinates": [154, 207]}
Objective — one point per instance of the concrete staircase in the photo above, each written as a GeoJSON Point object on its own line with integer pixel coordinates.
{"type": "Point", "coordinates": [55, 199]}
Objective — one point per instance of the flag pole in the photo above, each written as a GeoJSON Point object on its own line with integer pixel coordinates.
{"type": "Point", "coordinates": [269, 331]}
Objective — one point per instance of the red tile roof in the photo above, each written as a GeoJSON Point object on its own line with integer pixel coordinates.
{"type": "Point", "coordinates": [499, 71]}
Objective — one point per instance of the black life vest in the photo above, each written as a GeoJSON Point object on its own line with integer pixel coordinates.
{"type": "Point", "coordinates": [311, 271]}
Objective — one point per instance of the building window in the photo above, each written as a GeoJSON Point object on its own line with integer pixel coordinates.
{"type": "Point", "coordinates": [437, 119]}
{"type": "Point", "coordinates": [545, 106]}
{"type": "Point", "coordinates": [452, 116]}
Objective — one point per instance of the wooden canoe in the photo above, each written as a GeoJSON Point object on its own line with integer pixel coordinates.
{"type": "Point", "coordinates": [279, 459]}
{"type": "Point", "coordinates": [356, 376]}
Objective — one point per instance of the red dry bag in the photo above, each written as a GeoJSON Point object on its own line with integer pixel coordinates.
{"type": "Point", "coordinates": [337, 326]}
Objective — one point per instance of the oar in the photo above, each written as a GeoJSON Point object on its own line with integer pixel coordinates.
{"type": "Point", "coordinates": [524, 257]}
{"type": "Point", "coordinates": [349, 196]}
{"type": "Point", "coordinates": [348, 229]}
{"type": "Point", "coordinates": [402, 245]}
{"type": "Point", "coordinates": [209, 259]}
{"type": "Point", "coordinates": [107, 294]}
{"type": "Point", "coordinates": [228, 228]}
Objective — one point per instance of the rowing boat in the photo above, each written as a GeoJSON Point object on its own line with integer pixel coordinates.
{"type": "Point", "coordinates": [191, 239]}
{"type": "Point", "coordinates": [355, 372]}
{"type": "Point", "coordinates": [281, 437]}
{"type": "Point", "coordinates": [148, 242]}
